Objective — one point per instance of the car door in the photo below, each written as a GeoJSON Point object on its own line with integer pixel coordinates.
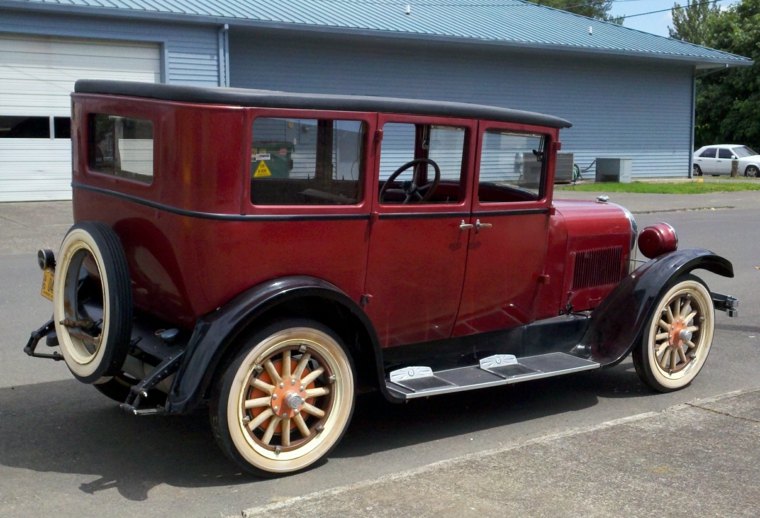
{"type": "Point", "coordinates": [418, 238]}
{"type": "Point", "coordinates": [707, 161]}
{"type": "Point", "coordinates": [510, 225]}
{"type": "Point", "coordinates": [725, 157]}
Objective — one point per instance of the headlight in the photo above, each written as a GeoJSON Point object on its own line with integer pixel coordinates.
{"type": "Point", "coordinates": [658, 239]}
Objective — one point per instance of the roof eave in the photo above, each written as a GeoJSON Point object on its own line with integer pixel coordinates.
{"type": "Point", "coordinates": [700, 63]}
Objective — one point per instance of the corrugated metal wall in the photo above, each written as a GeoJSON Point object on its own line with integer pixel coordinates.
{"type": "Point", "coordinates": [621, 108]}
{"type": "Point", "coordinates": [191, 54]}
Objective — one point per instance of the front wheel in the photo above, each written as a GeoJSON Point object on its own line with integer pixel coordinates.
{"type": "Point", "coordinates": [752, 171]}
{"type": "Point", "coordinates": [677, 340]}
{"type": "Point", "coordinates": [286, 399]}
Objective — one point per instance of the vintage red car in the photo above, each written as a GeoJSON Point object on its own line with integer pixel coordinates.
{"type": "Point", "coordinates": [271, 254]}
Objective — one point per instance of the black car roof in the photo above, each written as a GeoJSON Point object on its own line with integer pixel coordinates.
{"type": "Point", "coordinates": [311, 101]}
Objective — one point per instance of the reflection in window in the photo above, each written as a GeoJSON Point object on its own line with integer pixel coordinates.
{"type": "Point", "coordinates": [443, 145]}
{"type": "Point", "coordinates": [121, 146]}
{"type": "Point", "coordinates": [307, 161]}
{"type": "Point", "coordinates": [511, 167]}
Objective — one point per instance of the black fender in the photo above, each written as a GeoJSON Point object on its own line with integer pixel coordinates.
{"type": "Point", "coordinates": [216, 332]}
{"type": "Point", "coordinates": [617, 324]}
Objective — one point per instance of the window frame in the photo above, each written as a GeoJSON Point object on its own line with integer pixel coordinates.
{"type": "Point", "coordinates": [362, 205]}
{"type": "Point", "coordinates": [461, 206]}
{"type": "Point", "coordinates": [546, 188]}
{"type": "Point", "coordinates": [86, 128]}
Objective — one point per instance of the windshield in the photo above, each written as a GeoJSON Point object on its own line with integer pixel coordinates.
{"type": "Point", "coordinates": [743, 151]}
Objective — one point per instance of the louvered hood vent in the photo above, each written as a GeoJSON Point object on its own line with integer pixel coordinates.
{"type": "Point", "coordinates": [598, 267]}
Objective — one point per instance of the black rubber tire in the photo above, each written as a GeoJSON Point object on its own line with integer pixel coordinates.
{"type": "Point", "coordinates": [697, 171]}
{"type": "Point", "coordinates": [649, 367]}
{"type": "Point", "coordinates": [751, 172]}
{"type": "Point", "coordinates": [241, 430]}
{"type": "Point", "coordinates": [92, 268]}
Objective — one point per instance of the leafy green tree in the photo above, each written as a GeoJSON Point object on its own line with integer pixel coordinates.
{"type": "Point", "coordinates": [691, 22]}
{"type": "Point", "coordinates": [728, 102]}
{"type": "Point", "coordinates": [598, 9]}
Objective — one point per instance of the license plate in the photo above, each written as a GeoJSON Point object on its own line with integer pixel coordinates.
{"type": "Point", "coordinates": [48, 276]}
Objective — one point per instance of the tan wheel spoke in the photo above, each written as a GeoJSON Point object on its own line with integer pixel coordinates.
{"type": "Point", "coordinates": [273, 424]}
{"type": "Point", "coordinates": [693, 329]}
{"type": "Point", "coordinates": [661, 349]}
{"type": "Point", "coordinates": [312, 376]}
{"type": "Point", "coordinates": [664, 325]}
{"type": "Point", "coordinates": [662, 336]}
{"type": "Point", "coordinates": [691, 345]}
{"type": "Point", "coordinates": [669, 310]}
{"type": "Point", "coordinates": [286, 432]}
{"type": "Point", "coordinates": [262, 385]}
{"type": "Point", "coordinates": [263, 416]}
{"type": "Point", "coordinates": [663, 359]}
{"type": "Point", "coordinates": [317, 392]}
{"type": "Point", "coordinates": [311, 409]}
{"type": "Point", "coordinates": [673, 359]}
{"type": "Point", "coordinates": [286, 364]}
{"type": "Point", "coordinates": [301, 424]}
{"type": "Point", "coordinates": [682, 354]}
{"type": "Point", "coordinates": [301, 365]}
{"type": "Point", "coordinates": [685, 309]}
{"type": "Point", "coordinates": [689, 317]}
{"type": "Point", "coordinates": [257, 402]}
{"type": "Point", "coordinates": [272, 371]}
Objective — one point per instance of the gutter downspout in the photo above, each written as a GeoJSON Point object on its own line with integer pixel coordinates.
{"type": "Point", "coordinates": [693, 121]}
{"type": "Point", "coordinates": [223, 46]}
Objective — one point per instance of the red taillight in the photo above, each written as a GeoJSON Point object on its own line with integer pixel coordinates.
{"type": "Point", "coordinates": [658, 239]}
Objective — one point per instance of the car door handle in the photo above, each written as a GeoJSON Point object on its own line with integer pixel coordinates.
{"type": "Point", "coordinates": [479, 225]}
{"type": "Point", "coordinates": [465, 226]}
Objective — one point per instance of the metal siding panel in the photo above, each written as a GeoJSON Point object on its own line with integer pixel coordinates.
{"type": "Point", "coordinates": [640, 111]}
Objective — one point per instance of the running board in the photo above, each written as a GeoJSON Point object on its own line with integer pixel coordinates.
{"type": "Point", "coordinates": [500, 369]}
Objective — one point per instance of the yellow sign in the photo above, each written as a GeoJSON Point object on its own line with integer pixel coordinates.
{"type": "Point", "coordinates": [262, 171]}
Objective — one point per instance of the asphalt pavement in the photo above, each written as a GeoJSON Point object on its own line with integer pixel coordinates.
{"type": "Point", "coordinates": [695, 459]}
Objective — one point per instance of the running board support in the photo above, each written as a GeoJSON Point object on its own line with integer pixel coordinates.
{"type": "Point", "coordinates": [493, 371]}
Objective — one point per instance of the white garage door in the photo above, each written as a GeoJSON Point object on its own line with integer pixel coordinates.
{"type": "Point", "coordinates": [37, 76]}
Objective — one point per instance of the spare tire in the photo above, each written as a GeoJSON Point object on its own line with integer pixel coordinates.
{"type": "Point", "coordinates": [92, 302]}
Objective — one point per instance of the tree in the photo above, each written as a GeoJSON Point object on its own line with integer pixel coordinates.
{"type": "Point", "coordinates": [691, 22]}
{"type": "Point", "coordinates": [728, 102]}
{"type": "Point", "coordinates": [598, 9]}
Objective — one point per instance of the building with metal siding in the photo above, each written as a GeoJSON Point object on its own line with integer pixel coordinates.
{"type": "Point", "coordinates": [629, 94]}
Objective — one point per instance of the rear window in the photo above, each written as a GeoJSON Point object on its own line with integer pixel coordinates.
{"type": "Point", "coordinates": [307, 161]}
{"type": "Point", "coordinates": [121, 146]}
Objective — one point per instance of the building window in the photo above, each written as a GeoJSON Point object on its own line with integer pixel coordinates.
{"type": "Point", "coordinates": [62, 127]}
{"type": "Point", "coordinates": [12, 126]}
{"type": "Point", "coordinates": [307, 161]}
{"type": "Point", "coordinates": [121, 146]}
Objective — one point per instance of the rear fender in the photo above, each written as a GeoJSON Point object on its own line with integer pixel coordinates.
{"type": "Point", "coordinates": [216, 332]}
{"type": "Point", "coordinates": [616, 325]}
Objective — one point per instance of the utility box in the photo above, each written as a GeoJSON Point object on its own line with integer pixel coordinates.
{"type": "Point", "coordinates": [614, 169]}
{"type": "Point", "coordinates": [563, 172]}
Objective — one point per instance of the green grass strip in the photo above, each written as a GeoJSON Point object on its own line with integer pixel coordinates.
{"type": "Point", "coordinates": [691, 187]}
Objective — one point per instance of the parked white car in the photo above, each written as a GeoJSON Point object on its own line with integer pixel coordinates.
{"type": "Point", "coordinates": [717, 160]}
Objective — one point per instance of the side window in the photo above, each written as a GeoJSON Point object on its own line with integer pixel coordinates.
{"type": "Point", "coordinates": [725, 153]}
{"type": "Point", "coordinates": [421, 163]}
{"type": "Point", "coordinates": [511, 167]}
{"type": "Point", "coordinates": [307, 161]}
{"type": "Point", "coordinates": [708, 153]}
{"type": "Point", "coordinates": [121, 146]}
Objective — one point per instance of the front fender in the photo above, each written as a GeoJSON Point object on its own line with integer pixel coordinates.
{"type": "Point", "coordinates": [217, 331]}
{"type": "Point", "coordinates": [616, 325]}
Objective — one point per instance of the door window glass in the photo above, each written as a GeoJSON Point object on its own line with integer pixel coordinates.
{"type": "Point", "coordinates": [512, 167]}
{"type": "Point", "coordinates": [725, 153]}
{"type": "Point", "coordinates": [708, 153]}
{"type": "Point", "coordinates": [421, 163]}
{"type": "Point", "coordinates": [307, 161]}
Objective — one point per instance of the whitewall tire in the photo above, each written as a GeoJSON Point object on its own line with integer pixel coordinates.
{"type": "Point", "coordinates": [92, 302]}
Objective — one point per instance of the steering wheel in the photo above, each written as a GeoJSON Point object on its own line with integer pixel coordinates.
{"type": "Point", "coordinates": [412, 190]}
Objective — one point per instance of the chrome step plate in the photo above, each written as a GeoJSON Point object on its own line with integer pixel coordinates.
{"type": "Point", "coordinates": [493, 371]}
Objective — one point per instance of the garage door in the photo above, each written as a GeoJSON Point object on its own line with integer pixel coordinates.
{"type": "Point", "coordinates": [38, 75]}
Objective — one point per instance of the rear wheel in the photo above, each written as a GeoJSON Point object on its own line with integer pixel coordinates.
{"type": "Point", "coordinates": [92, 302]}
{"type": "Point", "coordinates": [697, 170]}
{"type": "Point", "coordinates": [677, 340]}
{"type": "Point", "coordinates": [286, 399]}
